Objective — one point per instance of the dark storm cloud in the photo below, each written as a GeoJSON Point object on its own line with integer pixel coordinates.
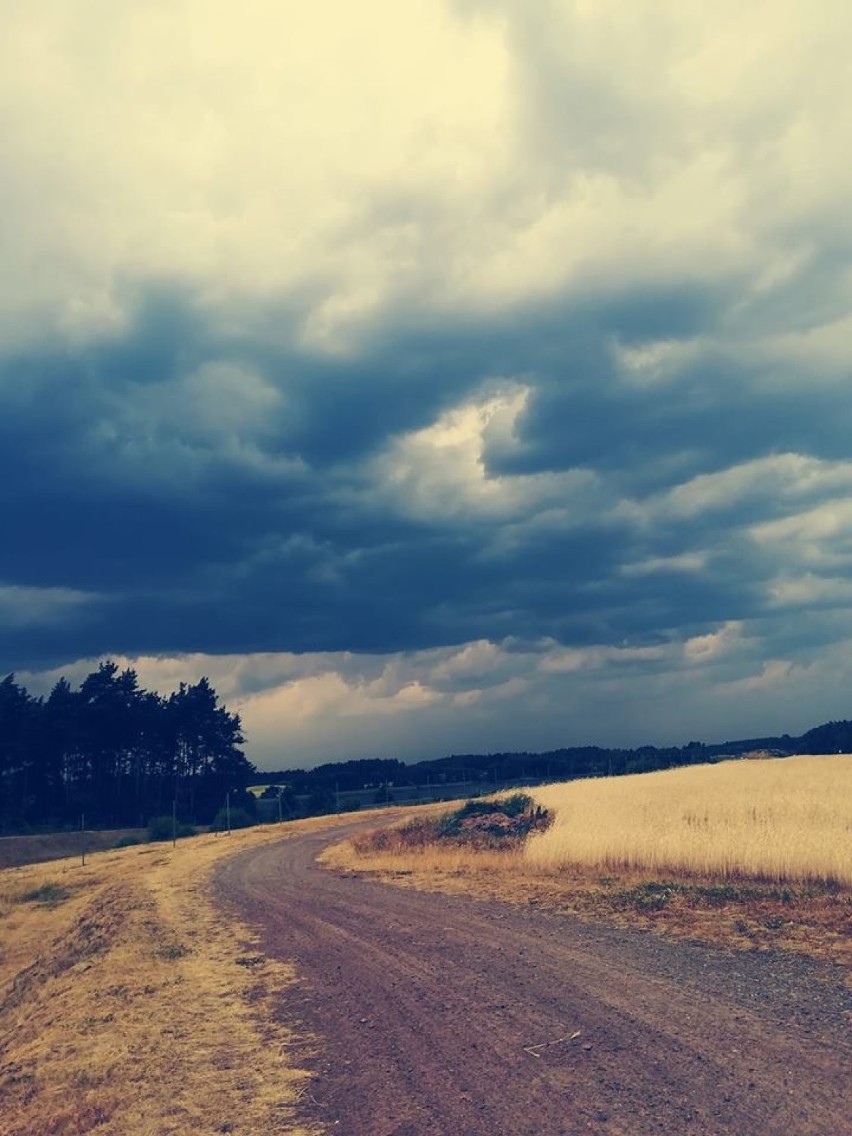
{"type": "Point", "coordinates": [480, 410]}
{"type": "Point", "coordinates": [239, 513]}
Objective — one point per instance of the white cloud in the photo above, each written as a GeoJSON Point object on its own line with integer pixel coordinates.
{"type": "Point", "coordinates": [332, 695]}
{"type": "Point", "coordinates": [783, 481]}
{"type": "Point", "coordinates": [828, 521]}
{"type": "Point", "coordinates": [686, 562]}
{"type": "Point", "coordinates": [715, 645]}
{"type": "Point", "coordinates": [773, 673]}
{"type": "Point", "coordinates": [483, 697]}
{"type": "Point", "coordinates": [656, 362]}
{"type": "Point", "coordinates": [810, 590]}
{"type": "Point", "coordinates": [371, 155]}
{"type": "Point", "coordinates": [593, 658]}
{"type": "Point", "coordinates": [238, 152]}
{"type": "Point", "coordinates": [821, 352]}
{"type": "Point", "coordinates": [442, 470]}
{"type": "Point", "coordinates": [476, 660]}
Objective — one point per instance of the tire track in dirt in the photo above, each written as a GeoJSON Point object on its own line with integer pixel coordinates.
{"type": "Point", "coordinates": [441, 1016]}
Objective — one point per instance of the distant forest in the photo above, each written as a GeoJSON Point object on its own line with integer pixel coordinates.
{"type": "Point", "coordinates": [338, 786]}
{"type": "Point", "coordinates": [119, 755]}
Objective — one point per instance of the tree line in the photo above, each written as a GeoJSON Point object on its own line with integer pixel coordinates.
{"type": "Point", "coordinates": [335, 786]}
{"type": "Point", "coordinates": [117, 754]}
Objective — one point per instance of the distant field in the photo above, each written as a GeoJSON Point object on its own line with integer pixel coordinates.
{"type": "Point", "coordinates": [751, 855]}
{"type": "Point", "coordinates": [17, 850]}
{"type": "Point", "coordinates": [780, 820]}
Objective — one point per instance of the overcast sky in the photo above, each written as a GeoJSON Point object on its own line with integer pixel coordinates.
{"type": "Point", "coordinates": [437, 376]}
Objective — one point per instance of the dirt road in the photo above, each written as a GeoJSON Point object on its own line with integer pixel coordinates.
{"type": "Point", "coordinates": [444, 1016]}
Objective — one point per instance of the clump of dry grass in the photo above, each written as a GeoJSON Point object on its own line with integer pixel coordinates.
{"type": "Point", "coordinates": [47, 893]}
{"type": "Point", "coordinates": [413, 836]}
{"type": "Point", "coordinates": [440, 863]}
{"type": "Point", "coordinates": [127, 1007]}
{"type": "Point", "coordinates": [785, 820]}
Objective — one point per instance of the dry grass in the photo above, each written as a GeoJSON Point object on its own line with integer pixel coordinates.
{"type": "Point", "coordinates": [727, 907]}
{"type": "Point", "coordinates": [126, 1007]}
{"type": "Point", "coordinates": [785, 820]}
{"type": "Point", "coordinates": [810, 920]}
{"type": "Point", "coordinates": [448, 867]}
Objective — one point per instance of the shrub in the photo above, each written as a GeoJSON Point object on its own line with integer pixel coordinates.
{"type": "Point", "coordinates": [517, 804]}
{"type": "Point", "coordinates": [502, 823]}
{"type": "Point", "coordinates": [49, 895]}
{"type": "Point", "coordinates": [128, 841]}
{"type": "Point", "coordinates": [240, 818]}
{"type": "Point", "coordinates": [161, 828]}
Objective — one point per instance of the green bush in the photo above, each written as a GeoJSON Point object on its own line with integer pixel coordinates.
{"type": "Point", "coordinates": [517, 805]}
{"type": "Point", "coordinates": [161, 828]}
{"type": "Point", "coordinates": [128, 841]}
{"type": "Point", "coordinates": [240, 818]}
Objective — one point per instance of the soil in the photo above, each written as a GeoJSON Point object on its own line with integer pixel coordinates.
{"type": "Point", "coordinates": [435, 1015]}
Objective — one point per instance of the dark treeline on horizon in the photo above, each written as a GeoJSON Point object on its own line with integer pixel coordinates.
{"type": "Point", "coordinates": [319, 790]}
{"type": "Point", "coordinates": [116, 754]}
{"type": "Point", "coordinates": [119, 755]}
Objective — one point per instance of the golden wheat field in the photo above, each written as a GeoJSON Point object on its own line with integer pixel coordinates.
{"type": "Point", "coordinates": [782, 819]}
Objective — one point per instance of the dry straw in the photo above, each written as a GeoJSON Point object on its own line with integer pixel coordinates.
{"type": "Point", "coordinates": [781, 820]}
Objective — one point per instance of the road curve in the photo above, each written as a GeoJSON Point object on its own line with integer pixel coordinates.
{"type": "Point", "coordinates": [445, 1016]}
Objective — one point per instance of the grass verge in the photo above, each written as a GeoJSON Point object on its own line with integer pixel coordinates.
{"type": "Point", "coordinates": [814, 919]}
{"type": "Point", "coordinates": [127, 1007]}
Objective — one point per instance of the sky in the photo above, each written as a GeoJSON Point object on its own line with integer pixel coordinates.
{"type": "Point", "coordinates": [441, 377]}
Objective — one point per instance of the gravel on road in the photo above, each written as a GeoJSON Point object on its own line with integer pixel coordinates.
{"type": "Point", "coordinates": [433, 1015]}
